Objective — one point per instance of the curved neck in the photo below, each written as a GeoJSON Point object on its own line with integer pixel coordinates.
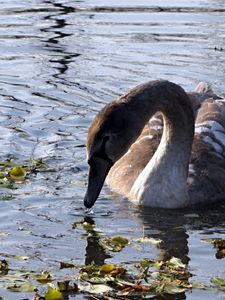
{"type": "Point", "coordinates": [162, 183]}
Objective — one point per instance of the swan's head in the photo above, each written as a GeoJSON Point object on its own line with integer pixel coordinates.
{"type": "Point", "coordinates": [110, 135]}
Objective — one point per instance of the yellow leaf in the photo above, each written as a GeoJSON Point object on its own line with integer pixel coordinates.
{"type": "Point", "coordinates": [17, 173]}
{"type": "Point", "coordinates": [53, 295]}
{"type": "Point", "coordinates": [107, 268]}
{"type": "Point", "coordinates": [119, 240]}
{"type": "Point", "coordinates": [44, 277]}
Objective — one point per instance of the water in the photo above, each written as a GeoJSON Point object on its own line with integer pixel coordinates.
{"type": "Point", "coordinates": [60, 62]}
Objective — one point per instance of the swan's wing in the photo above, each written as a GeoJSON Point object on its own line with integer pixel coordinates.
{"type": "Point", "coordinates": [125, 171]}
{"type": "Point", "coordinates": [207, 165]}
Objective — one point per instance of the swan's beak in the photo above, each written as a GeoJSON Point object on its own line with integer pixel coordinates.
{"type": "Point", "coordinates": [99, 168]}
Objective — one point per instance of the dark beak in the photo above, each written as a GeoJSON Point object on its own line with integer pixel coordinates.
{"type": "Point", "coordinates": [99, 168]}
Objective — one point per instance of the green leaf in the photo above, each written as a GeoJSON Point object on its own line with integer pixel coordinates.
{"type": "Point", "coordinates": [53, 294]}
{"type": "Point", "coordinates": [5, 183]}
{"type": "Point", "coordinates": [44, 277]}
{"type": "Point", "coordinates": [112, 270]}
{"type": "Point", "coordinates": [146, 263]}
{"type": "Point", "coordinates": [219, 282]}
{"type": "Point", "coordinates": [17, 173]}
{"type": "Point", "coordinates": [114, 244]}
{"type": "Point", "coordinates": [119, 240]}
{"type": "Point", "coordinates": [23, 287]}
{"type": "Point", "coordinates": [88, 226]}
{"type": "Point", "coordinates": [75, 224]}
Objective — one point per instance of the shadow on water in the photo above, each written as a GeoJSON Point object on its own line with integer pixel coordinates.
{"type": "Point", "coordinates": [94, 251]}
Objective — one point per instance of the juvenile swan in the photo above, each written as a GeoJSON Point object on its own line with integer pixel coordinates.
{"type": "Point", "coordinates": [159, 146]}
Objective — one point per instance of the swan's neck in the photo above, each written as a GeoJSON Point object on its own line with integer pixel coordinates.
{"type": "Point", "coordinates": [163, 182]}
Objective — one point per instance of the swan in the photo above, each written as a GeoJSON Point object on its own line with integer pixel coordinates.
{"type": "Point", "coordinates": [159, 146]}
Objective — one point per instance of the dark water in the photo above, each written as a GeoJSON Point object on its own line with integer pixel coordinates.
{"type": "Point", "coordinates": [60, 62]}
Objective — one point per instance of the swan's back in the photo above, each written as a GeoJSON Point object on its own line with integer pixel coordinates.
{"type": "Point", "coordinates": [207, 164]}
{"type": "Point", "coordinates": [206, 178]}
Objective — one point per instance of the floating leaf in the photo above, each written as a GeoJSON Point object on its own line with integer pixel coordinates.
{"type": "Point", "coordinates": [4, 266]}
{"type": "Point", "coordinates": [107, 268]}
{"type": "Point", "coordinates": [5, 183]}
{"type": "Point", "coordinates": [219, 282]}
{"type": "Point", "coordinates": [22, 258]}
{"type": "Point", "coordinates": [65, 286]}
{"type": "Point", "coordinates": [138, 288]}
{"type": "Point", "coordinates": [44, 277]}
{"type": "Point", "coordinates": [145, 239]}
{"type": "Point", "coordinates": [88, 226]}
{"type": "Point", "coordinates": [176, 263]}
{"type": "Point", "coordinates": [219, 244]}
{"type": "Point", "coordinates": [24, 287]}
{"type": "Point", "coordinates": [53, 294]}
{"type": "Point", "coordinates": [200, 286]}
{"type": "Point", "coordinates": [119, 240]}
{"type": "Point", "coordinates": [17, 173]}
{"type": "Point", "coordinates": [38, 297]}
{"type": "Point", "coordinates": [112, 270]}
{"type": "Point", "coordinates": [7, 163]}
{"type": "Point", "coordinates": [114, 244]}
{"type": "Point", "coordinates": [38, 164]}
{"type": "Point", "coordinates": [146, 263]}
{"type": "Point", "coordinates": [75, 224]}
{"type": "Point", "coordinates": [85, 224]}
{"type": "Point", "coordinates": [95, 289]}
{"type": "Point", "coordinates": [66, 265]}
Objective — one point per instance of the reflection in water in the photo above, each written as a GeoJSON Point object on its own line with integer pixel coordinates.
{"type": "Point", "coordinates": [94, 252]}
{"type": "Point", "coordinates": [62, 58]}
{"type": "Point", "coordinates": [170, 228]}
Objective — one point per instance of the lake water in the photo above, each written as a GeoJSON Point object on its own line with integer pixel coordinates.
{"type": "Point", "coordinates": [60, 62]}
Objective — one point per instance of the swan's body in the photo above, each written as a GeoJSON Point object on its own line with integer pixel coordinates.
{"type": "Point", "coordinates": [170, 160]}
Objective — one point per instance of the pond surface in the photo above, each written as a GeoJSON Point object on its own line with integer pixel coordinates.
{"type": "Point", "coordinates": [60, 62]}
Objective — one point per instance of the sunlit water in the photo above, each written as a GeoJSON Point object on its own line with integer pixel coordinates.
{"type": "Point", "coordinates": [60, 62]}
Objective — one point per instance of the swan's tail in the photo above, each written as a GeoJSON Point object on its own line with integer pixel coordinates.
{"type": "Point", "coordinates": [205, 89]}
